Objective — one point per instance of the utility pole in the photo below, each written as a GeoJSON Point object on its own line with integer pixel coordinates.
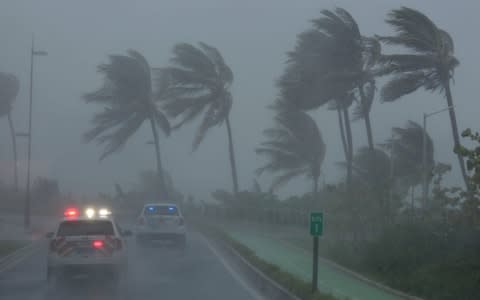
{"type": "Point", "coordinates": [424, 163]}
{"type": "Point", "coordinates": [392, 173]}
{"type": "Point", "coordinates": [33, 53]}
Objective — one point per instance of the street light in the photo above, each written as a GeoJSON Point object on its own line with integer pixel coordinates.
{"type": "Point", "coordinates": [424, 151]}
{"type": "Point", "coordinates": [392, 165]}
{"type": "Point", "coordinates": [33, 53]}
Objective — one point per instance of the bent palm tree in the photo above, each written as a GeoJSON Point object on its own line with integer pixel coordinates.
{"type": "Point", "coordinates": [128, 101]}
{"type": "Point", "coordinates": [406, 148]}
{"type": "Point", "coordinates": [9, 86]}
{"type": "Point", "coordinates": [294, 147]}
{"type": "Point", "coordinates": [429, 64]}
{"type": "Point", "coordinates": [333, 62]}
{"type": "Point", "coordinates": [200, 82]}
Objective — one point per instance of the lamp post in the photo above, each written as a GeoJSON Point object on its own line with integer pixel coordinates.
{"type": "Point", "coordinates": [424, 152]}
{"type": "Point", "coordinates": [33, 53]}
{"type": "Point", "coordinates": [392, 166]}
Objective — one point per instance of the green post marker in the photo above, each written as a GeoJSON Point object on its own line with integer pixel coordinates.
{"type": "Point", "coordinates": [316, 230]}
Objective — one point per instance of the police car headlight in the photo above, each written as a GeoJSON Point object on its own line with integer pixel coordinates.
{"type": "Point", "coordinates": [90, 212]}
{"type": "Point", "coordinates": [103, 212]}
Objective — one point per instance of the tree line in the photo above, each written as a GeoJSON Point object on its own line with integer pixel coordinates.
{"type": "Point", "coordinates": [333, 65]}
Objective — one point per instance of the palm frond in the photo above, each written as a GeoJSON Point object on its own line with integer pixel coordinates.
{"type": "Point", "coordinates": [189, 78]}
{"type": "Point", "coordinates": [401, 63]}
{"type": "Point", "coordinates": [414, 30]}
{"type": "Point", "coordinates": [127, 96]}
{"type": "Point", "coordinates": [208, 121]}
{"type": "Point", "coordinates": [177, 106]}
{"type": "Point", "coordinates": [401, 85]}
{"type": "Point", "coordinates": [191, 58]}
{"type": "Point", "coordinates": [223, 70]}
{"type": "Point", "coordinates": [293, 147]}
{"type": "Point", "coordinates": [115, 139]}
{"type": "Point", "coordinates": [145, 66]}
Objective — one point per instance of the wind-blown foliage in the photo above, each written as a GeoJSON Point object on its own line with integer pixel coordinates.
{"type": "Point", "coordinates": [200, 82]}
{"type": "Point", "coordinates": [128, 101]}
{"type": "Point", "coordinates": [9, 87]}
{"type": "Point", "coordinates": [407, 152]}
{"type": "Point", "coordinates": [372, 179]}
{"type": "Point", "coordinates": [333, 64]}
{"type": "Point", "coordinates": [429, 62]}
{"type": "Point", "coordinates": [294, 147]}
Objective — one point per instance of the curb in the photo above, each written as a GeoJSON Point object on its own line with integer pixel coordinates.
{"type": "Point", "coordinates": [264, 284]}
{"type": "Point", "coordinates": [16, 257]}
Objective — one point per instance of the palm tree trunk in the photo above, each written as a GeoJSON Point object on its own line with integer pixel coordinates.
{"type": "Point", "coordinates": [14, 148]}
{"type": "Point", "coordinates": [232, 156]}
{"type": "Point", "coordinates": [366, 117]}
{"type": "Point", "coordinates": [348, 130]}
{"type": "Point", "coordinates": [368, 127]}
{"type": "Point", "coordinates": [456, 136]}
{"type": "Point", "coordinates": [161, 179]}
{"type": "Point", "coordinates": [342, 132]}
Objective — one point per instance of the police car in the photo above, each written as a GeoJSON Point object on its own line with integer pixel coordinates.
{"type": "Point", "coordinates": [161, 222]}
{"type": "Point", "coordinates": [87, 244]}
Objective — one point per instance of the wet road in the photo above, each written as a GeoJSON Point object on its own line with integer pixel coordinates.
{"type": "Point", "coordinates": [154, 273]}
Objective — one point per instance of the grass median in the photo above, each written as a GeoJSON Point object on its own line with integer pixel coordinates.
{"type": "Point", "coordinates": [292, 283]}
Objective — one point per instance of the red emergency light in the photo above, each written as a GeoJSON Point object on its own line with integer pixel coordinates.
{"type": "Point", "coordinates": [97, 244]}
{"type": "Point", "coordinates": [70, 212]}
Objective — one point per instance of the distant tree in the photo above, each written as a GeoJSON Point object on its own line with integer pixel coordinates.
{"type": "Point", "coordinates": [129, 101]}
{"type": "Point", "coordinates": [473, 158]}
{"type": "Point", "coordinates": [371, 175]}
{"type": "Point", "coordinates": [406, 147]}
{"type": "Point", "coordinates": [429, 63]}
{"type": "Point", "coordinates": [294, 147]}
{"type": "Point", "coordinates": [471, 204]}
{"type": "Point", "coordinates": [200, 83]}
{"type": "Point", "coordinates": [9, 87]}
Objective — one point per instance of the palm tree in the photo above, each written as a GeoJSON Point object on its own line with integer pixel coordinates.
{"type": "Point", "coordinates": [333, 62]}
{"type": "Point", "coordinates": [9, 87]}
{"type": "Point", "coordinates": [429, 62]}
{"type": "Point", "coordinates": [294, 147]}
{"type": "Point", "coordinates": [406, 147]}
{"type": "Point", "coordinates": [354, 71]}
{"type": "Point", "coordinates": [129, 101]}
{"type": "Point", "coordinates": [200, 82]}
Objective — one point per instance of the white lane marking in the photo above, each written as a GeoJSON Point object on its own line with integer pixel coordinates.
{"type": "Point", "coordinates": [234, 273]}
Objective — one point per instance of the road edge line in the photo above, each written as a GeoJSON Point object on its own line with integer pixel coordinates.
{"type": "Point", "coordinates": [256, 295]}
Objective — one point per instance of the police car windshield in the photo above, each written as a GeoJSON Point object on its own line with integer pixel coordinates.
{"type": "Point", "coordinates": [84, 227]}
{"type": "Point", "coordinates": [160, 210]}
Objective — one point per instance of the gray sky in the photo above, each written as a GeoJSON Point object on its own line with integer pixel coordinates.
{"type": "Point", "coordinates": [252, 35]}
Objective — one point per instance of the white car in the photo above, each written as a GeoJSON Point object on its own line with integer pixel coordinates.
{"type": "Point", "coordinates": [91, 245]}
{"type": "Point", "coordinates": [161, 222]}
